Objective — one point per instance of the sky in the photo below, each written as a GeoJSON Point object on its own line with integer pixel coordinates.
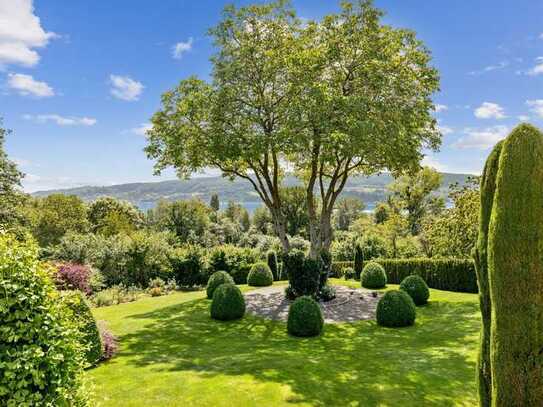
{"type": "Point", "coordinates": [79, 80]}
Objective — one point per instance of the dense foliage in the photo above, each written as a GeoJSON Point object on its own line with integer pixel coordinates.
{"type": "Point", "coordinates": [227, 303]}
{"type": "Point", "coordinates": [417, 289]}
{"type": "Point", "coordinates": [305, 317]}
{"type": "Point", "coordinates": [396, 309]}
{"type": "Point", "coordinates": [260, 275]}
{"type": "Point", "coordinates": [303, 273]}
{"type": "Point", "coordinates": [271, 258]}
{"type": "Point", "coordinates": [216, 279]}
{"type": "Point", "coordinates": [373, 276]}
{"type": "Point", "coordinates": [88, 328]}
{"type": "Point", "coordinates": [515, 271]}
{"type": "Point", "coordinates": [40, 356]}
{"type": "Point", "coordinates": [71, 276]}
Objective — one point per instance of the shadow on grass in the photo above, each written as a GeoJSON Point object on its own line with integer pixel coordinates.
{"type": "Point", "coordinates": [431, 363]}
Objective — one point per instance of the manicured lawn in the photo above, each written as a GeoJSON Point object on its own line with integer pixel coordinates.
{"type": "Point", "coordinates": [173, 354]}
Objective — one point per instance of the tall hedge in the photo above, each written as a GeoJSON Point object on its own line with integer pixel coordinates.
{"type": "Point", "coordinates": [515, 266]}
{"type": "Point", "coordinates": [41, 362]}
{"type": "Point", "coordinates": [488, 186]}
{"type": "Point", "coordinates": [271, 258]}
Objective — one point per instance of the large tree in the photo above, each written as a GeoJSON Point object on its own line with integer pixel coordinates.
{"type": "Point", "coordinates": [327, 99]}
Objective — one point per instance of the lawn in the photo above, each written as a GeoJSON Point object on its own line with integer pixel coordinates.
{"type": "Point", "coordinates": [173, 354]}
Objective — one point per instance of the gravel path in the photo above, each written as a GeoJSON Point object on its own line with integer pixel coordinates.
{"type": "Point", "coordinates": [350, 305]}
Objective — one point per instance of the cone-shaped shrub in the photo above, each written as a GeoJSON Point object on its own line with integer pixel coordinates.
{"type": "Point", "coordinates": [515, 266]}
{"type": "Point", "coordinates": [305, 317]}
{"type": "Point", "coordinates": [396, 309]}
{"type": "Point", "coordinates": [358, 261]}
{"type": "Point", "coordinates": [228, 303]}
{"type": "Point", "coordinates": [216, 279]}
{"type": "Point", "coordinates": [260, 275]}
{"type": "Point", "coordinates": [373, 276]}
{"type": "Point", "coordinates": [417, 289]}
{"type": "Point", "coordinates": [271, 258]}
{"type": "Point", "coordinates": [480, 256]}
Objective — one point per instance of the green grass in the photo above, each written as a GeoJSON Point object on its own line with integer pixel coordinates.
{"type": "Point", "coordinates": [173, 354]}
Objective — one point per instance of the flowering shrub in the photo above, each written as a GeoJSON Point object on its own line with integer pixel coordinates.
{"type": "Point", "coordinates": [71, 276]}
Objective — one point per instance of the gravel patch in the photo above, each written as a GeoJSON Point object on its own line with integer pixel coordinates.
{"type": "Point", "coordinates": [350, 305]}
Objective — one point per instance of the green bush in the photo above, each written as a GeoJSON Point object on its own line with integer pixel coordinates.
{"type": "Point", "coordinates": [41, 360]}
{"type": "Point", "coordinates": [396, 309]}
{"type": "Point", "coordinates": [305, 317]}
{"type": "Point", "coordinates": [228, 303]}
{"type": "Point", "coordinates": [340, 267]}
{"type": "Point", "coordinates": [417, 289]}
{"type": "Point", "coordinates": [90, 335]}
{"type": "Point", "coordinates": [349, 273]}
{"type": "Point", "coordinates": [188, 265]}
{"type": "Point", "coordinates": [271, 258]}
{"type": "Point", "coordinates": [304, 274]}
{"type": "Point", "coordinates": [373, 276]}
{"type": "Point", "coordinates": [260, 275]}
{"type": "Point", "coordinates": [236, 261]}
{"type": "Point", "coordinates": [216, 279]}
{"type": "Point", "coordinates": [448, 274]}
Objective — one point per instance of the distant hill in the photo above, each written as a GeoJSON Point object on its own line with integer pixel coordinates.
{"type": "Point", "coordinates": [146, 194]}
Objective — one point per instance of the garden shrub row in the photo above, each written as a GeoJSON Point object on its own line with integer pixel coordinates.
{"type": "Point", "coordinates": [443, 274]}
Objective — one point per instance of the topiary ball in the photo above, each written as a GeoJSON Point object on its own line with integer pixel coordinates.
{"type": "Point", "coordinates": [417, 289]}
{"type": "Point", "coordinates": [373, 276]}
{"type": "Point", "coordinates": [305, 317]}
{"type": "Point", "coordinates": [260, 275]}
{"type": "Point", "coordinates": [228, 303]}
{"type": "Point", "coordinates": [216, 279]}
{"type": "Point", "coordinates": [396, 309]}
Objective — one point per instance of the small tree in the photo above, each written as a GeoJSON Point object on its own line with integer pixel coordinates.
{"type": "Point", "coordinates": [358, 261]}
{"type": "Point", "coordinates": [214, 202]}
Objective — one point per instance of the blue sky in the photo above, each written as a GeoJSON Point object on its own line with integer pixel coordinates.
{"type": "Point", "coordinates": [79, 80]}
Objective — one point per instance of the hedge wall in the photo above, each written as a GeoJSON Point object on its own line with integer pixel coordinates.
{"type": "Point", "coordinates": [443, 274]}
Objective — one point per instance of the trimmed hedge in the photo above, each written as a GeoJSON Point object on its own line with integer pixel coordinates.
{"type": "Point", "coordinates": [305, 317]}
{"type": "Point", "coordinates": [228, 303]}
{"type": "Point", "coordinates": [373, 276]}
{"type": "Point", "coordinates": [88, 328]}
{"type": "Point", "coordinates": [396, 309]}
{"type": "Point", "coordinates": [338, 268]}
{"type": "Point", "coordinates": [443, 274]}
{"type": "Point", "coordinates": [260, 275]}
{"type": "Point", "coordinates": [417, 289]}
{"type": "Point", "coordinates": [216, 279]}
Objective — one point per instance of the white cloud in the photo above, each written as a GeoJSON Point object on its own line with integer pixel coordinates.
{"type": "Point", "coordinates": [20, 33]}
{"type": "Point", "coordinates": [26, 85]}
{"type": "Point", "coordinates": [490, 111]}
{"type": "Point", "coordinates": [441, 108]}
{"type": "Point", "coordinates": [445, 130]}
{"type": "Point", "coordinates": [141, 130]}
{"type": "Point", "coordinates": [33, 182]}
{"type": "Point", "coordinates": [181, 47]}
{"type": "Point", "coordinates": [125, 88]}
{"type": "Point", "coordinates": [431, 161]}
{"type": "Point", "coordinates": [523, 118]}
{"type": "Point", "coordinates": [536, 106]}
{"type": "Point", "coordinates": [490, 68]}
{"type": "Point", "coordinates": [61, 120]}
{"type": "Point", "coordinates": [538, 68]}
{"type": "Point", "coordinates": [481, 138]}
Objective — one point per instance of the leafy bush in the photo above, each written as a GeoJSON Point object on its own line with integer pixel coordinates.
{"type": "Point", "coordinates": [442, 274]}
{"type": "Point", "coordinates": [260, 275]}
{"type": "Point", "coordinates": [70, 276]}
{"type": "Point", "coordinates": [349, 273]}
{"type": "Point", "coordinates": [305, 317]}
{"type": "Point", "coordinates": [271, 258]}
{"type": "Point", "coordinates": [327, 293]}
{"type": "Point", "coordinates": [373, 276]}
{"type": "Point", "coordinates": [303, 273]}
{"type": "Point", "coordinates": [41, 360]}
{"type": "Point", "coordinates": [396, 309]}
{"type": "Point", "coordinates": [117, 294]}
{"type": "Point", "coordinates": [216, 279]}
{"type": "Point", "coordinates": [109, 341]}
{"type": "Point", "coordinates": [228, 303]}
{"type": "Point", "coordinates": [417, 289]}
{"type": "Point", "coordinates": [90, 335]}
{"type": "Point", "coordinates": [235, 261]}
{"type": "Point", "coordinates": [188, 265]}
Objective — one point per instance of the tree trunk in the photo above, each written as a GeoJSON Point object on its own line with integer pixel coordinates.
{"type": "Point", "coordinates": [280, 226]}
